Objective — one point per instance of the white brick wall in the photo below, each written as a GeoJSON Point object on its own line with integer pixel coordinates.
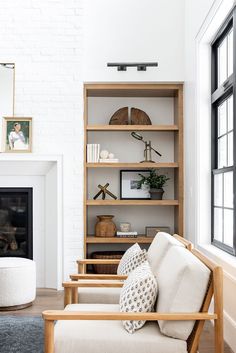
{"type": "Point", "coordinates": [44, 38]}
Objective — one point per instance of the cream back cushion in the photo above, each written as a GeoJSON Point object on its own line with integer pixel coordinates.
{"type": "Point", "coordinates": [183, 280]}
{"type": "Point", "coordinates": [159, 247]}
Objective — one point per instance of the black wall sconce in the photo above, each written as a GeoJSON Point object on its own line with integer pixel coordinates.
{"type": "Point", "coordinates": [140, 66]}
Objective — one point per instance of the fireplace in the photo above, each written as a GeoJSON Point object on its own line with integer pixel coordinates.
{"type": "Point", "coordinates": [16, 232]}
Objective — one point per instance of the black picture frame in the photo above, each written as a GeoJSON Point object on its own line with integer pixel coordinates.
{"type": "Point", "coordinates": [122, 197]}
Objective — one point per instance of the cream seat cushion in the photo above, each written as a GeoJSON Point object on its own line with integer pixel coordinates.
{"type": "Point", "coordinates": [99, 295]}
{"type": "Point", "coordinates": [110, 336]}
{"type": "Point", "coordinates": [183, 280]}
{"type": "Point", "coordinates": [159, 247]}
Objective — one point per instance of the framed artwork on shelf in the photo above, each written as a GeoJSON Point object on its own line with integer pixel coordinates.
{"type": "Point", "coordinates": [17, 135]}
{"type": "Point", "coordinates": [129, 185]}
{"type": "Point", "coordinates": [151, 231]}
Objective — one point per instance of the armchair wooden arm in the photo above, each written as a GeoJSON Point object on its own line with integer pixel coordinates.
{"type": "Point", "coordinates": [52, 315]}
{"type": "Point", "coordinates": [71, 288]}
{"type": "Point", "coordinates": [117, 316]}
{"type": "Point", "coordinates": [82, 264]}
{"type": "Point", "coordinates": [75, 277]}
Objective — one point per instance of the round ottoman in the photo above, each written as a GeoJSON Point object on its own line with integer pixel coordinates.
{"type": "Point", "coordinates": [17, 283]}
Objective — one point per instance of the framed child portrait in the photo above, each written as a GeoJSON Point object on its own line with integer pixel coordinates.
{"type": "Point", "coordinates": [17, 135]}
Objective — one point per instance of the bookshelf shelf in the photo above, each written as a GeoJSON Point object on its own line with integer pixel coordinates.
{"type": "Point", "coordinates": [132, 202]}
{"type": "Point", "coordinates": [142, 239]}
{"type": "Point", "coordinates": [132, 128]}
{"type": "Point", "coordinates": [132, 165]}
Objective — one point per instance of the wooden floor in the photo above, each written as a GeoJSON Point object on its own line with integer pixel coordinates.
{"type": "Point", "coordinates": [52, 299]}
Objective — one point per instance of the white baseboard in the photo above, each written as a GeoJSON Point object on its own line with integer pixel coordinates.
{"type": "Point", "coordinates": [229, 331]}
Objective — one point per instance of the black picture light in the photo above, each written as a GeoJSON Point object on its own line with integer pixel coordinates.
{"type": "Point", "coordinates": [140, 66]}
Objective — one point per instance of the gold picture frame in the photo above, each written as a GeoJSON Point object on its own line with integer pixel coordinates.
{"type": "Point", "coordinates": [17, 135]}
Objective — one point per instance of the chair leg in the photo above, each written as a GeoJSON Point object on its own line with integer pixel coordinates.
{"type": "Point", "coordinates": [218, 308]}
{"type": "Point", "coordinates": [49, 336]}
{"type": "Point", "coordinates": [75, 295]}
{"type": "Point", "coordinates": [67, 296]}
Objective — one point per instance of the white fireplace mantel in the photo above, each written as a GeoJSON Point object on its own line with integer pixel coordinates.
{"type": "Point", "coordinates": [44, 174]}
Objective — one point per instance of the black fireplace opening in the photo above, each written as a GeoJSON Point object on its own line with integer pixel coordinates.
{"type": "Point", "coordinates": [16, 231]}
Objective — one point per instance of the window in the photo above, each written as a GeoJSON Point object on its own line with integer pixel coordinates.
{"type": "Point", "coordinates": [223, 137]}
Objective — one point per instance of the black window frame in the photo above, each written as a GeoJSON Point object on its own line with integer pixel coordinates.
{"type": "Point", "coordinates": [219, 93]}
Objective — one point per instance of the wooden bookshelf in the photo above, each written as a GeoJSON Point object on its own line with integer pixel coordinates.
{"type": "Point", "coordinates": [172, 129]}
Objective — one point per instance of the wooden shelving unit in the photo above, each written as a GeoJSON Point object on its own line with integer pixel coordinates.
{"type": "Point", "coordinates": [173, 129]}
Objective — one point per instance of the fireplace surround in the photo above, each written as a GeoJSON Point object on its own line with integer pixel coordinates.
{"type": "Point", "coordinates": [43, 174]}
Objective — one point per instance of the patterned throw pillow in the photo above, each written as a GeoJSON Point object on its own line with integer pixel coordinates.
{"type": "Point", "coordinates": [131, 259]}
{"type": "Point", "coordinates": [138, 294]}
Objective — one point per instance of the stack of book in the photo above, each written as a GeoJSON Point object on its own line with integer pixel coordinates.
{"type": "Point", "coordinates": [127, 234]}
{"type": "Point", "coordinates": [93, 152]}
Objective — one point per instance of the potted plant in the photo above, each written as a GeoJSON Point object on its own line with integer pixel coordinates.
{"type": "Point", "coordinates": [155, 182]}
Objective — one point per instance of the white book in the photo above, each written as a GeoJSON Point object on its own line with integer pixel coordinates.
{"type": "Point", "coordinates": [95, 153]}
{"type": "Point", "coordinates": [88, 153]}
{"type": "Point", "coordinates": [98, 153]}
{"type": "Point", "coordinates": [93, 148]}
{"type": "Point", "coordinates": [126, 233]}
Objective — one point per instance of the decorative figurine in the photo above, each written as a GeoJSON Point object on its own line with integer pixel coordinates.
{"type": "Point", "coordinates": [103, 192]}
{"type": "Point", "coordinates": [107, 157]}
{"type": "Point", "coordinates": [137, 117]}
{"type": "Point", "coordinates": [104, 154]}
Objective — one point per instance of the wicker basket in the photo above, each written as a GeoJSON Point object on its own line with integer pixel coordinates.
{"type": "Point", "coordinates": [107, 255]}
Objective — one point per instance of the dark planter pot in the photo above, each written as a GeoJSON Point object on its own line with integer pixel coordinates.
{"type": "Point", "coordinates": [156, 194]}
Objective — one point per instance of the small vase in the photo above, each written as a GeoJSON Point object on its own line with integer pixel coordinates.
{"type": "Point", "coordinates": [105, 227]}
{"type": "Point", "coordinates": [156, 194]}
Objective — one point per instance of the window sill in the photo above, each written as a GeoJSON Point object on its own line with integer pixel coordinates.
{"type": "Point", "coordinates": [227, 261]}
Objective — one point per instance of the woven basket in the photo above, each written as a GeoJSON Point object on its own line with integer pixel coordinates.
{"type": "Point", "coordinates": [107, 255]}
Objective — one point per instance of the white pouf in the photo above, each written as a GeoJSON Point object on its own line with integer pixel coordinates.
{"type": "Point", "coordinates": [17, 283]}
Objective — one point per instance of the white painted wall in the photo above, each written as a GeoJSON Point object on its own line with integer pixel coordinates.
{"type": "Point", "coordinates": [130, 31]}
{"type": "Point", "coordinates": [203, 18]}
{"type": "Point", "coordinates": [44, 39]}
{"type": "Point", "coordinates": [195, 13]}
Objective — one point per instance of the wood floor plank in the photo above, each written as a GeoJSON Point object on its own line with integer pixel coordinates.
{"type": "Point", "coordinates": [49, 299]}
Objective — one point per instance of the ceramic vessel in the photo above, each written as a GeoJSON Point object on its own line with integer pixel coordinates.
{"type": "Point", "coordinates": [105, 227]}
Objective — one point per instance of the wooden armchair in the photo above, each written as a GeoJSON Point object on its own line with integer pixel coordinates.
{"type": "Point", "coordinates": [214, 289]}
